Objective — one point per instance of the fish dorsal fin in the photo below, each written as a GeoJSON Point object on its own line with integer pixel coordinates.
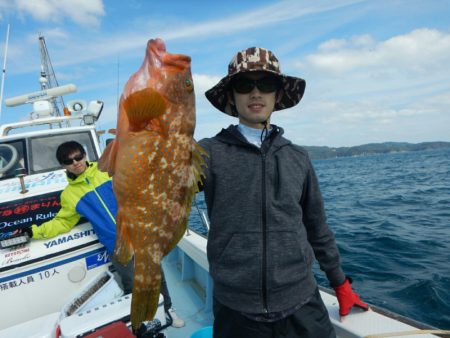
{"type": "Point", "coordinates": [143, 106]}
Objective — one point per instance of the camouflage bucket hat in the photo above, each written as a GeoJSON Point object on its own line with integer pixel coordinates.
{"type": "Point", "coordinates": [256, 59]}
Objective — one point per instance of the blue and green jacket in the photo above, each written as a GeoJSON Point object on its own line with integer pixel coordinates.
{"type": "Point", "coordinates": [89, 195]}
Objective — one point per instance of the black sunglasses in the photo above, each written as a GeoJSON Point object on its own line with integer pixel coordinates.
{"type": "Point", "coordinates": [245, 85]}
{"type": "Point", "coordinates": [77, 158]}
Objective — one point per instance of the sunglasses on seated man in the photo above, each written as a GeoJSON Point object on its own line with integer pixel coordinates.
{"type": "Point", "coordinates": [267, 84]}
{"type": "Point", "coordinates": [76, 158]}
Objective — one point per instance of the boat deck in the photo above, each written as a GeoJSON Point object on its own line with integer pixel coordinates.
{"type": "Point", "coordinates": [187, 300]}
{"type": "Point", "coordinates": [190, 299]}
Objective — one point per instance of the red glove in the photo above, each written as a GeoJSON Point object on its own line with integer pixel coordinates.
{"type": "Point", "coordinates": [347, 298]}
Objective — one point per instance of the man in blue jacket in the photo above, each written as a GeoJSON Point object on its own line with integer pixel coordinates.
{"type": "Point", "coordinates": [267, 215]}
{"type": "Point", "coordinates": [90, 194]}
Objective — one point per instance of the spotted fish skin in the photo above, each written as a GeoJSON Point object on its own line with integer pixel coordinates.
{"type": "Point", "coordinates": [156, 167]}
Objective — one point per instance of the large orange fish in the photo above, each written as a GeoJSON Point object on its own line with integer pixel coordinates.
{"type": "Point", "coordinates": [156, 167]}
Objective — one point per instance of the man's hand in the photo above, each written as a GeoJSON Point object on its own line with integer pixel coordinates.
{"type": "Point", "coordinates": [347, 298]}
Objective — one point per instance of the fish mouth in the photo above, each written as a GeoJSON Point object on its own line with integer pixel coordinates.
{"type": "Point", "coordinates": [178, 62]}
{"type": "Point", "coordinates": [158, 47]}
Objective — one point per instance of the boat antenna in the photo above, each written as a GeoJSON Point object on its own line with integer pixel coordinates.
{"type": "Point", "coordinates": [48, 78]}
{"type": "Point", "coordinates": [4, 71]}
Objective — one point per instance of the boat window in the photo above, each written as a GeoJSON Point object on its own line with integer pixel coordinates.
{"type": "Point", "coordinates": [12, 158]}
{"type": "Point", "coordinates": [43, 150]}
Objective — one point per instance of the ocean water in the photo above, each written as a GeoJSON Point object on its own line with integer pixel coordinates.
{"type": "Point", "coordinates": [391, 217]}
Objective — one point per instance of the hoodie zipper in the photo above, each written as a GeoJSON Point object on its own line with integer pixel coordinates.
{"type": "Point", "coordinates": [263, 213]}
{"type": "Point", "coordinates": [264, 232]}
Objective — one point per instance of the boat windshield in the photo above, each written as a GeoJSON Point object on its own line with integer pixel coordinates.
{"type": "Point", "coordinates": [12, 157]}
{"type": "Point", "coordinates": [37, 154]}
{"type": "Point", "coordinates": [43, 150]}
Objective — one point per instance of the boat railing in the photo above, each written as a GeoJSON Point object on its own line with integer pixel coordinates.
{"type": "Point", "coordinates": [204, 221]}
{"type": "Point", "coordinates": [7, 128]}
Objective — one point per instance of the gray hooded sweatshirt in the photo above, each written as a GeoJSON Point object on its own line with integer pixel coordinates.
{"type": "Point", "coordinates": [267, 223]}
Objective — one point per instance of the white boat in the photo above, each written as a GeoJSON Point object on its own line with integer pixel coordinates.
{"type": "Point", "coordinates": [63, 287]}
{"type": "Point", "coordinates": [39, 280]}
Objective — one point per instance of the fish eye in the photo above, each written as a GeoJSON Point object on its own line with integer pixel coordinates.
{"type": "Point", "coordinates": [189, 85]}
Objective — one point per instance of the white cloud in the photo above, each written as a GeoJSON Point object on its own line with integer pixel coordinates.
{"type": "Point", "coordinates": [5, 7]}
{"type": "Point", "coordinates": [82, 12]}
{"type": "Point", "coordinates": [416, 53]}
{"type": "Point", "coordinates": [204, 82]}
{"type": "Point", "coordinates": [361, 90]}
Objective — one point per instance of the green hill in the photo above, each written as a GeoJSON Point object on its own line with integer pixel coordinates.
{"type": "Point", "coordinates": [317, 153]}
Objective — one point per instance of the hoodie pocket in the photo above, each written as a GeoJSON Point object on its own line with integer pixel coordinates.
{"type": "Point", "coordinates": [238, 265]}
{"type": "Point", "coordinates": [289, 259]}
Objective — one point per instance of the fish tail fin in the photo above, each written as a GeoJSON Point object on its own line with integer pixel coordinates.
{"type": "Point", "coordinates": [143, 105]}
{"type": "Point", "coordinates": [124, 247]}
{"type": "Point", "coordinates": [146, 288]}
{"type": "Point", "coordinates": [108, 159]}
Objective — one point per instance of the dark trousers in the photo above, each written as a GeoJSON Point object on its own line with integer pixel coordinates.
{"type": "Point", "coordinates": [126, 273]}
{"type": "Point", "coordinates": [310, 321]}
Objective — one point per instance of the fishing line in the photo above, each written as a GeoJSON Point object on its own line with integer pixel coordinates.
{"type": "Point", "coordinates": [203, 216]}
{"type": "Point", "coordinates": [118, 78]}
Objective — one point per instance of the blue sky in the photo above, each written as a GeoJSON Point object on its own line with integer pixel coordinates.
{"type": "Point", "coordinates": [375, 71]}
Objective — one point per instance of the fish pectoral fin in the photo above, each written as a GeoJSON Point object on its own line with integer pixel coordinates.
{"type": "Point", "coordinates": [144, 105]}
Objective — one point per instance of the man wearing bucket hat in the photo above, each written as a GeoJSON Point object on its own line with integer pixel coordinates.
{"type": "Point", "coordinates": [266, 211]}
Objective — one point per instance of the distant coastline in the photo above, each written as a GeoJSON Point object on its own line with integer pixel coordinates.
{"type": "Point", "coordinates": [321, 153]}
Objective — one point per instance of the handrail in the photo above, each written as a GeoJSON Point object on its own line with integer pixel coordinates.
{"type": "Point", "coordinates": [6, 128]}
{"type": "Point", "coordinates": [408, 333]}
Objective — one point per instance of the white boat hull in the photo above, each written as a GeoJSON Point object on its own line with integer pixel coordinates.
{"type": "Point", "coordinates": [38, 279]}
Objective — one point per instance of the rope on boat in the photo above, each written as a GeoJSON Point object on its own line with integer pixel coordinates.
{"type": "Point", "coordinates": [409, 333]}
